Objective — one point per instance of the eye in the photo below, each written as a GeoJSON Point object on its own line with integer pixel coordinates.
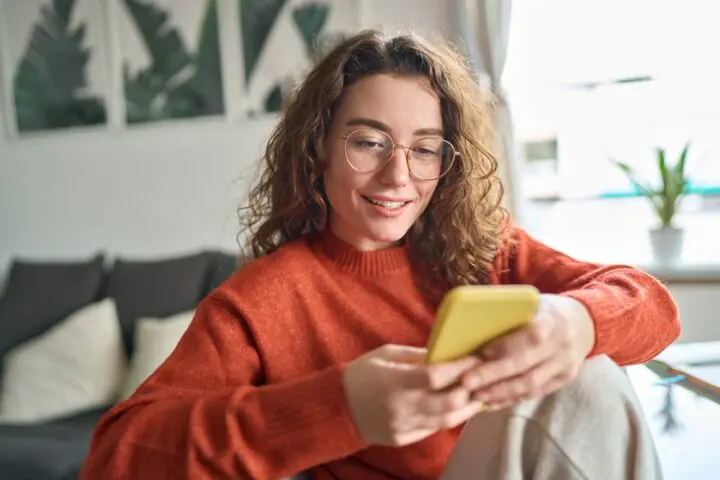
{"type": "Point", "coordinates": [368, 144]}
{"type": "Point", "coordinates": [429, 149]}
{"type": "Point", "coordinates": [425, 151]}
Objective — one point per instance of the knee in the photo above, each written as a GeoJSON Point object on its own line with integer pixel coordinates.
{"type": "Point", "coordinates": [601, 390]}
{"type": "Point", "coordinates": [600, 399]}
{"type": "Point", "coordinates": [597, 412]}
{"type": "Point", "coordinates": [601, 378]}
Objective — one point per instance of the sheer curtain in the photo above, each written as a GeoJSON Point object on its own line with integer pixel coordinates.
{"type": "Point", "coordinates": [483, 26]}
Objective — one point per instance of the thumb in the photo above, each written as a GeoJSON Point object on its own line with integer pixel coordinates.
{"type": "Point", "coordinates": [437, 376]}
{"type": "Point", "coordinates": [445, 374]}
{"type": "Point", "coordinates": [402, 354]}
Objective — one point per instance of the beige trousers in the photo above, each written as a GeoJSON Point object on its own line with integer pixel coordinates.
{"type": "Point", "coordinates": [591, 429]}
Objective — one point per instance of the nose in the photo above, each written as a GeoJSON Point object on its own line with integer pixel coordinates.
{"type": "Point", "coordinates": [396, 172]}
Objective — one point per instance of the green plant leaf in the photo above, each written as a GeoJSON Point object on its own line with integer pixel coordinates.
{"type": "Point", "coordinates": [63, 9]}
{"type": "Point", "coordinates": [310, 19]}
{"type": "Point", "coordinates": [169, 56]}
{"type": "Point", "coordinates": [664, 176]}
{"type": "Point", "coordinates": [50, 80]}
{"type": "Point", "coordinates": [644, 189]}
{"type": "Point", "coordinates": [175, 85]}
{"type": "Point", "coordinates": [666, 199]}
{"type": "Point", "coordinates": [144, 99]}
{"type": "Point", "coordinates": [678, 181]}
{"type": "Point", "coordinates": [680, 165]}
{"type": "Point", "coordinates": [667, 212]}
{"type": "Point", "coordinates": [655, 198]}
{"type": "Point", "coordinates": [256, 20]}
{"type": "Point", "coordinates": [207, 81]}
{"type": "Point", "coordinates": [148, 92]}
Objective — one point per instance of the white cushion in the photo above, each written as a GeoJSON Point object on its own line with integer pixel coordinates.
{"type": "Point", "coordinates": [77, 365]}
{"type": "Point", "coordinates": [155, 340]}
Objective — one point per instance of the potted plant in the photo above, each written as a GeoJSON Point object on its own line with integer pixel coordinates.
{"type": "Point", "coordinates": [667, 238]}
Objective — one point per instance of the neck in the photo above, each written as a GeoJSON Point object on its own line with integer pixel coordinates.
{"type": "Point", "coordinates": [365, 261]}
{"type": "Point", "coordinates": [361, 243]}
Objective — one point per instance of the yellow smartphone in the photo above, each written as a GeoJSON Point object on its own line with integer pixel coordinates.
{"type": "Point", "coordinates": [471, 316]}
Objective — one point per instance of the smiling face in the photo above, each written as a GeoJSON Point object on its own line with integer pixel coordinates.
{"type": "Point", "coordinates": [372, 210]}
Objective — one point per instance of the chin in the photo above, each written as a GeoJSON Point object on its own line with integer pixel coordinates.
{"type": "Point", "coordinates": [388, 234]}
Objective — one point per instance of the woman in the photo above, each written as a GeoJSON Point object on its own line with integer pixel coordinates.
{"type": "Point", "coordinates": [378, 194]}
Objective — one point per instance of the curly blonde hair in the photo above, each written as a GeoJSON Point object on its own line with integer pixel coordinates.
{"type": "Point", "coordinates": [456, 239]}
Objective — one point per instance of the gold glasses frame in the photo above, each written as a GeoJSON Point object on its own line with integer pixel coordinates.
{"type": "Point", "coordinates": [406, 148]}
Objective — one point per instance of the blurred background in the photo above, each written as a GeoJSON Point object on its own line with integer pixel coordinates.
{"type": "Point", "coordinates": [130, 130]}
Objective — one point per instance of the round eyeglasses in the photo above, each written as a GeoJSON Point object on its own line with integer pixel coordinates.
{"type": "Point", "coordinates": [428, 158]}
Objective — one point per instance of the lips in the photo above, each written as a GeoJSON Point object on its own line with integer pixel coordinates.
{"type": "Point", "coordinates": [389, 203]}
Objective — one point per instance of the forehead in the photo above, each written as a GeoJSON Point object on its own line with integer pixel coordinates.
{"type": "Point", "coordinates": [404, 103]}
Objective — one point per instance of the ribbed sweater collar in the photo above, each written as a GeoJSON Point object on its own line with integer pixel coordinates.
{"type": "Point", "coordinates": [367, 263]}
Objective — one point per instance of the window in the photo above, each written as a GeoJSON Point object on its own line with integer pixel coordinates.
{"type": "Point", "coordinates": [594, 80]}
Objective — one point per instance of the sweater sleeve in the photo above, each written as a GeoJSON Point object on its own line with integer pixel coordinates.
{"type": "Point", "coordinates": [634, 315]}
{"type": "Point", "coordinates": [205, 413]}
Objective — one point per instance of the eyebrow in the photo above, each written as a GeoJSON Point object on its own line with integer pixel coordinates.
{"type": "Point", "coordinates": [378, 125]}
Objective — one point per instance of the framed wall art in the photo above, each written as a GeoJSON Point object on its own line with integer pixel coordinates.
{"type": "Point", "coordinates": [171, 62]}
{"type": "Point", "coordinates": [282, 38]}
{"type": "Point", "coordinates": [54, 64]}
{"type": "Point", "coordinates": [111, 64]}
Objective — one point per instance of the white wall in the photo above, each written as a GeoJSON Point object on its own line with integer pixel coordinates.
{"type": "Point", "coordinates": [155, 190]}
{"type": "Point", "coordinates": [149, 191]}
{"type": "Point", "coordinates": [698, 305]}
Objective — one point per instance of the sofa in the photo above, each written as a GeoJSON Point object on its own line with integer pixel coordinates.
{"type": "Point", "coordinates": [44, 301]}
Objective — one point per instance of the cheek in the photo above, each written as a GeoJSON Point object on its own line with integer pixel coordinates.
{"type": "Point", "coordinates": [341, 182]}
{"type": "Point", "coordinates": [426, 191]}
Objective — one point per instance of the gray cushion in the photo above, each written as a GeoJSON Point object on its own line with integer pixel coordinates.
{"type": "Point", "coordinates": [39, 294]}
{"type": "Point", "coordinates": [222, 266]}
{"type": "Point", "coordinates": [50, 451]}
{"type": "Point", "coordinates": [156, 288]}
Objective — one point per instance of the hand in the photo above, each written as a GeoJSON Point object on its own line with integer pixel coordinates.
{"type": "Point", "coordinates": [395, 399]}
{"type": "Point", "coordinates": [536, 360]}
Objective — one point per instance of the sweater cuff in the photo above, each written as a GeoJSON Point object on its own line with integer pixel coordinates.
{"type": "Point", "coordinates": [310, 417]}
{"type": "Point", "coordinates": [599, 306]}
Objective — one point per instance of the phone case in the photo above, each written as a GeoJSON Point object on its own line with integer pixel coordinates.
{"type": "Point", "coordinates": [470, 316]}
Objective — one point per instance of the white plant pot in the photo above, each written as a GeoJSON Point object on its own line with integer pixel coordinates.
{"type": "Point", "coordinates": [667, 244]}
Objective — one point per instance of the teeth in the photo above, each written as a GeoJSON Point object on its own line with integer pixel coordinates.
{"type": "Point", "coordinates": [390, 205]}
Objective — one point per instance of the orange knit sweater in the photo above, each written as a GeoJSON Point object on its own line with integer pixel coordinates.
{"type": "Point", "coordinates": [254, 388]}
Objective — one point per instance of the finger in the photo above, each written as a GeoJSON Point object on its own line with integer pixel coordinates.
{"type": "Point", "coordinates": [434, 404]}
{"type": "Point", "coordinates": [437, 376]}
{"type": "Point", "coordinates": [550, 387]}
{"type": "Point", "coordinates": [442, 375]}
{"type": "Point", "coordinates": [454, 418]}
{"type": "Point", "coordinates": [412, 436]}
{"type": "Point", "coordinates": [536, 334]}
{"type": "Point", "coordinates": [402, 354]}
{"type": "Point", "coordinates": [510, 356]}
{"type": "Point", "coordinates": [508, 366]}
{"type": "Point", "coordinates": [529, 384]}
{"type": "Point", "coordinates": [495, 407]}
